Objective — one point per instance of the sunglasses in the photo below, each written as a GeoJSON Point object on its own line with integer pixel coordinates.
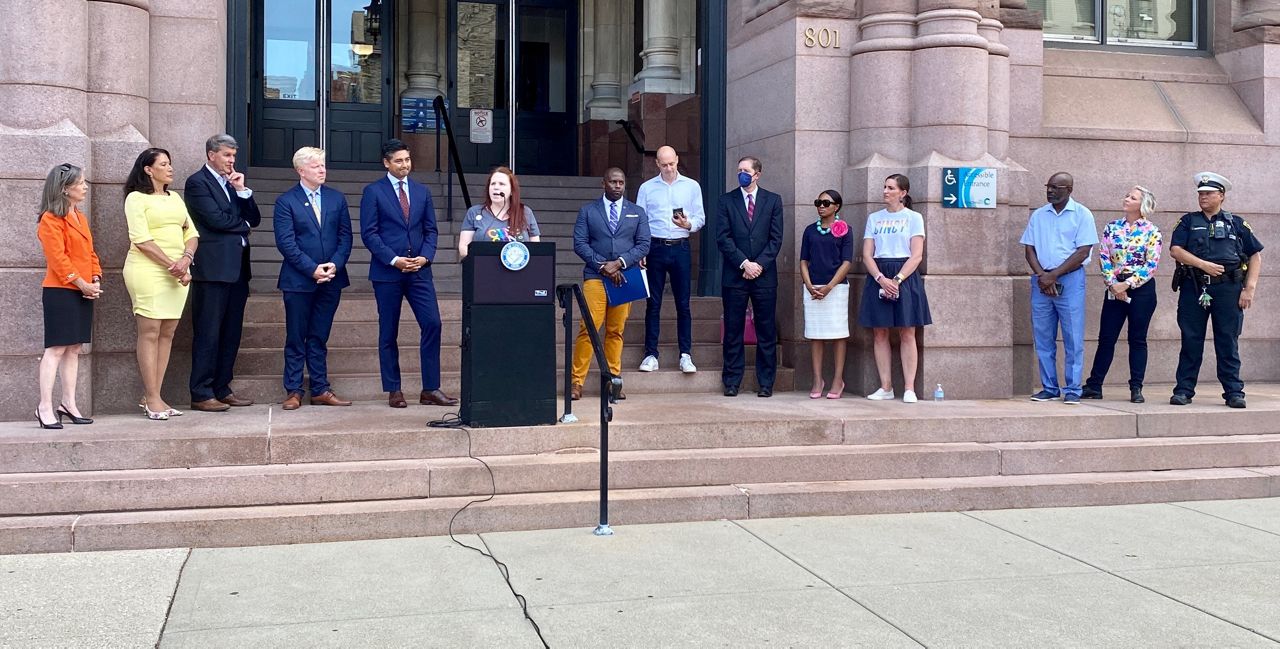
{"type": "Point", "coordinates": [822, 202]}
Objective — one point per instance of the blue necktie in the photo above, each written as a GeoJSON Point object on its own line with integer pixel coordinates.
{"type": "Point", "coordinates": [613, 218]}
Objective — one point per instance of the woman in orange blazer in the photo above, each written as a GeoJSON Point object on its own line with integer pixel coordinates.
{"type": "Point", "coordinates": [71, 284]}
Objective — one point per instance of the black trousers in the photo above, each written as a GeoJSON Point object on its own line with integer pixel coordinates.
{"type": "Point", "coordinates": [1137, 312]}
{"type": "Point", "coordinates": [1193, 320]}
{"type": "Point", "coordinates": [764, 301]}
{"type": "Point", "coordinates": [217, 318]}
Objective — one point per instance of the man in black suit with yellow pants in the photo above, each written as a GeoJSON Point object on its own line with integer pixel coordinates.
{"type": "Point", "coordinates": [749, 234]}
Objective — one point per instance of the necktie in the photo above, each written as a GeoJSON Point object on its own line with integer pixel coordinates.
{"type": "Point", "coordinates": [613, 218]}
{"type": "Point", "coordinates": [315, 206]}
{"type": "Point", "coordinates": [751, 208]}
{"type": "Point", "coordinates": [404, 202]}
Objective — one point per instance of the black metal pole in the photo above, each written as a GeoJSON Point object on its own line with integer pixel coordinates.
{"type": "Point", "coordinates": [610, 388]}
{"type": "Point", "coordinates": [564, 293]}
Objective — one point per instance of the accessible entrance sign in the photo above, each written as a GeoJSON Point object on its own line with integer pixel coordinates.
{"type": "Point", "coordinates": [969, 187]}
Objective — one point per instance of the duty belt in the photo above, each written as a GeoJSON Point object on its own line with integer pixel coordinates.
{"type": "Point", "coordinates": [1233, 275]}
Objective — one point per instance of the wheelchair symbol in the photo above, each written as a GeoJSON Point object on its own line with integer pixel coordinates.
{"type": "Point", "coordinates": [949, 178]}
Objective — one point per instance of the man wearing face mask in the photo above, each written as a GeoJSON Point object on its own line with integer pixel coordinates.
{"type": "Point", "coordinates": [1219, 260]}
{"type": "Point", "coordinates": [1058, 239]}
{"type": "Point", "coordinates": [749, 230]}
{"type": "Point", "coordinates": [610, 235]}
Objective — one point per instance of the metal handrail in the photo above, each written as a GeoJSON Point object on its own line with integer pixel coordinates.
{"type": "Point", "coordinates": [455, 161]}
{"type": "Point", "coordinates": [630, 128]}
{"type": "Point", "coordinates": [610, 387]}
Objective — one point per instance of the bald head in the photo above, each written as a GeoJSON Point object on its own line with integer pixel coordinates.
{"type": "Point", "coordinates": [668, 163]}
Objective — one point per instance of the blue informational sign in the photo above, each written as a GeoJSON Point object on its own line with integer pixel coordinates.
{"type": "Point", "coordinates": [969, 187]}
{"type": "Point", "coordinates": [417, 115]}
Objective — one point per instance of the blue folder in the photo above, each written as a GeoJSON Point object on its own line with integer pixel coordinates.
{"type": "Point", "coordinates": [635, 286]}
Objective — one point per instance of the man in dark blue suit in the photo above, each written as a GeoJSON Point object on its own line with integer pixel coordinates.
{"type": "Point", "coordinates": [398, 226]}
{"type": "Point", "coordinates": [313, 233]}
{"type": "Point", "coordinates": [224, 212]}
{"type": "Point", "coordinates": [749, 234]}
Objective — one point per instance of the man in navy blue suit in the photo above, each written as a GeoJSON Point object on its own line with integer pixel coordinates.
{"type": "Point", "coordinates": [313, 233]}
{"type": "Point", "coordinates": [749, 234]}
{"type": "Point", "coordinates": [398, 226]}
{"type": "Point", "coordinates": [224, 212]}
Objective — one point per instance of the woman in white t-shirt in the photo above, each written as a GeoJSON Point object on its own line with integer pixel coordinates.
{"type": "Point", "coordinates": [893, 295]}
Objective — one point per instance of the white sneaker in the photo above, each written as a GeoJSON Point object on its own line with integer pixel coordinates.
{"type": "Point", "coordinates": [649, 364]}
{"type": "Point", "coordinates": [881, 395]}
{"type": "Point", "coordinates": [909, 396]}
{"type": "Point", "coordinates": [686, 364]}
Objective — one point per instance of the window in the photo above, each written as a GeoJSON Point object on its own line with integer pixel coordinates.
{"type": "Point", "coordinates": [1162, 23]}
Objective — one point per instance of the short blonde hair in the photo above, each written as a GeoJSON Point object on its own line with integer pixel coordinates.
{"type": "Point", "coordinates": [1148, 206]}
{"type": "Point", "coordinates": [306, 155]}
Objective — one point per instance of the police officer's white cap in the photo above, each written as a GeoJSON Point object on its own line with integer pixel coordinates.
{"type": "Point", "coordinates": [1207, 181]}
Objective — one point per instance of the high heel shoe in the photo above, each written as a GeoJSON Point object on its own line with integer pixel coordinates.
{"type": "Point", "coordinates": [63, 412]}
{"type": "Point", "coordinates": [836, 392]}
{"type": "Point", "coordinates": [54, 426]}
{"type": "Point", "coordinates": [817, 392]}
{"type": "Point", "coordinates": [157, 416]}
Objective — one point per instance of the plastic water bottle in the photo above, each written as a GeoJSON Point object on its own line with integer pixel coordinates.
{"type": "Point", "coordinates": [937, 394]}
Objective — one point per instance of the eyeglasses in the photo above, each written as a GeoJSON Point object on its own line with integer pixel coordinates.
{"type": "Point", "coordinates": [822, 202]}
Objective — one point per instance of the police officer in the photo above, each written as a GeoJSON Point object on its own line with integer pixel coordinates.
{"type": "Point", "coordinates": [1219, 260]}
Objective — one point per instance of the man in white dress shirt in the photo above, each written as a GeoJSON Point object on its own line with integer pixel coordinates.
{"type": "Point", "coordinates": [674, 205]}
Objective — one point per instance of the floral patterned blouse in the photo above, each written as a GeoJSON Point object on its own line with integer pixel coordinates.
{"type": "Point", "coordinates": [1131, 251]}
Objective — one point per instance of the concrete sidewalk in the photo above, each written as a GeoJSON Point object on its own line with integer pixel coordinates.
{"type": "Point", "coordinates": [1202, 574]}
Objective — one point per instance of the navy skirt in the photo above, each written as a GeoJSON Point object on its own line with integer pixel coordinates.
{"type": "Point", "coordinates": [911, 309]}
{"type": "Point", "coordinates": [68, 317]}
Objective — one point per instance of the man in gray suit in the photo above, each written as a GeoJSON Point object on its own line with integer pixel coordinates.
{"type": "Point", "coordinates": [611, 235]}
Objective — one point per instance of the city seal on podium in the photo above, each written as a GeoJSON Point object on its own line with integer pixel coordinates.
{"type": "Point", "coordinates": [515, 256]}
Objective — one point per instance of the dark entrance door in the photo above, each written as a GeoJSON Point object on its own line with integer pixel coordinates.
{"type": "Point", "coordinates": [321, 76]}
{"type": "Point", "coordinates": [546, 83]}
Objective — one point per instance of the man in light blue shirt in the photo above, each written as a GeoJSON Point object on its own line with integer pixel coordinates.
{"type": "Point", "coordinates": [674, 205]}
{"type": "Point", "coordinates": [1058, 240]}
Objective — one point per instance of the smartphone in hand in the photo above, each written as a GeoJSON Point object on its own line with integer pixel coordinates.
{"type": "Point", "coordinates": [677, 214]}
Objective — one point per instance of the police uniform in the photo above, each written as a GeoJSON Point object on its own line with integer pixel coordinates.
{"type": "Point", "coordinates": [1227, 240]}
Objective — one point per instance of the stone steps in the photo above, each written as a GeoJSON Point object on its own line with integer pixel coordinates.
{"type": "Point", "coordinates": [407, 517]}
{"type": "Point", "coordinates": [284, 484]}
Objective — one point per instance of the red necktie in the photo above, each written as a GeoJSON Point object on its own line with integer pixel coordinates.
{"type": "Point", "coordinates": [751, 208]}
{"type": "Point", "coordinates": [404, 202]}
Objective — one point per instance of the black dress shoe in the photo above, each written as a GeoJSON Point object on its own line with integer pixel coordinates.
{"type": "Point", "coordinates": [765, 392]}
{"type": "Point", "coordinates": [56, 425]}
{"type": "Point", "coordinates": [1135, 395]}
{"type": "Point", "coordinates": [730, 390]}
{"type": "Point", "coordinates": [1235, 402]}
{"type": "Point", "coordinates": [63, 412]}
{"type": "Point", "coordinates": [1179, 400]}
{"type": "Point", "coordinates": [1090, 393]}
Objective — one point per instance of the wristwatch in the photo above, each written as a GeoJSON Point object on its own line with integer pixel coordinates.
{"type": "Point", "coordinates": [898, 278]}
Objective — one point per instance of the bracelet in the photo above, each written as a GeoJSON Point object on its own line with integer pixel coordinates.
{"type": "Point", "coordinates": [879, 277]}
{"type": "Point", "coordinates": [898, 278]}
{"type": "Point", "coordinates": [188, 255]}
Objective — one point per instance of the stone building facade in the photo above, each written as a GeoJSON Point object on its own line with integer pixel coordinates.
{"type": "Point", "coordinates": [829, 93]}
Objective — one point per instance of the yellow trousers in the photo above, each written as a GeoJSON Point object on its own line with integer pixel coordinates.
{"type": "Point", "coordinates": [614, 319]}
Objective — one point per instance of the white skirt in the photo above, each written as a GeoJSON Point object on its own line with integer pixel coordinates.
{"type": "Point", "coordinates": [828, 318]}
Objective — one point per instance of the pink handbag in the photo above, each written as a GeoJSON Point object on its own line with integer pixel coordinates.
{"type": "Point", "coordinates": [748, 332]}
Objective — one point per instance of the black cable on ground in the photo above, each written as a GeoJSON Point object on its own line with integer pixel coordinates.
{"type": "Point", "coordinates": [453, 421]}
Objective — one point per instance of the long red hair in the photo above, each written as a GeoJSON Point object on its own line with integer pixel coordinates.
{"type": "Point", "coordinates": [515, 212]}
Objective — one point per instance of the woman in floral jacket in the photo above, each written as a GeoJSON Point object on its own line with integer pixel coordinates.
{"type": "Point", "coordinates": [1129, 252]}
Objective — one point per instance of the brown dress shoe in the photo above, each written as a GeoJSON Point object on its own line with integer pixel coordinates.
{"type": "Point", "coordinates": [396, 400]}
{"type": "Point", "coordinates": [436, 398]}
{"type": "Point", "coordinates": [209, 405]}
{"type": "Point", "coordinates": [328, 399]}
{"type": "Point", "coordinates": [291, 402]}
{"type": "Point", "coordinates": [237, 402]}
{"type": "Point", "coordinates": [575, 392]}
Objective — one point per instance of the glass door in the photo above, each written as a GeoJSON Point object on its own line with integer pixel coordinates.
{"type": "Point", "coordinates": [546, 68]}
{"type": "Point", "coordinates": [321, 77]}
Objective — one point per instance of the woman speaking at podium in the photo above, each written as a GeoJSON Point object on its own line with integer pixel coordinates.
{"type": "Point", "coordinates": [502, 218]}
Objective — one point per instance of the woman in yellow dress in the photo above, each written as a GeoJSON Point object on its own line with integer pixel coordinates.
{"type": "Point", "coordinates": [156, 270]}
